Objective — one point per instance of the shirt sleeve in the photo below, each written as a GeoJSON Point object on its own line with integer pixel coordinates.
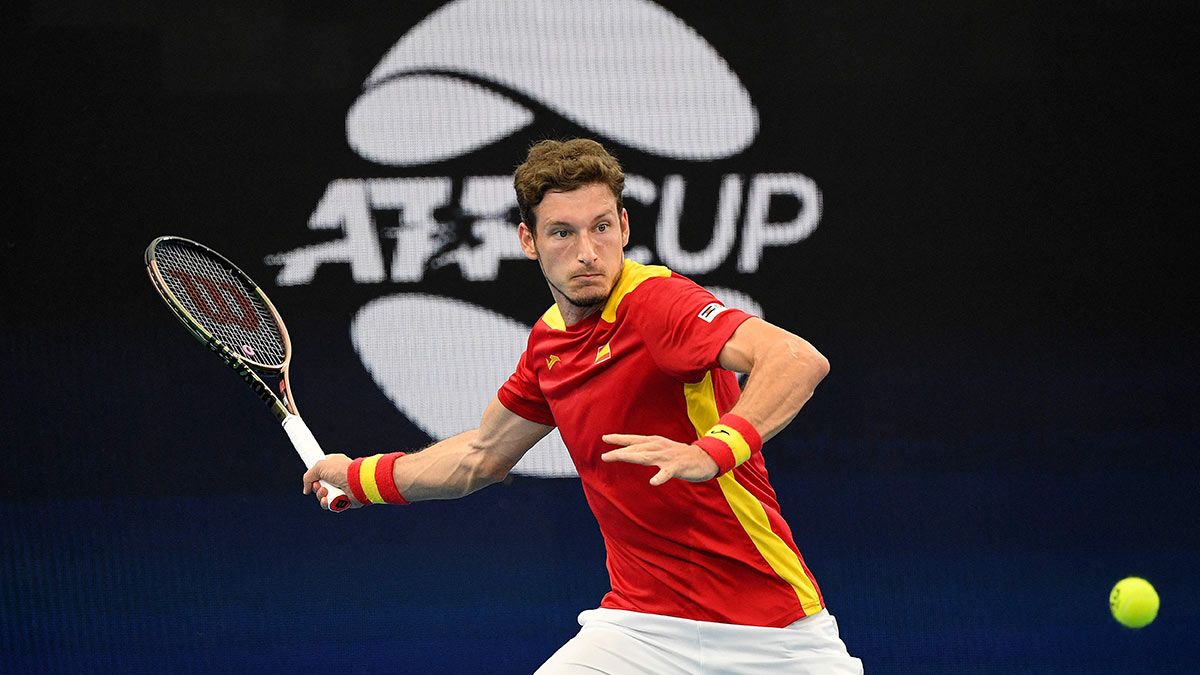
{"type": "Point", "coordinates": [522, 395]}
{"type": "Point", "coordinates": [683, 325]}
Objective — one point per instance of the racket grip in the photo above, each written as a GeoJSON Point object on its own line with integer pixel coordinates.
{"type": "Point", "coordinates": [310, 451]}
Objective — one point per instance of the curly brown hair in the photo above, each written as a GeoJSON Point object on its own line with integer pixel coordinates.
{"type": "Point", "coordinates": [564, 166]}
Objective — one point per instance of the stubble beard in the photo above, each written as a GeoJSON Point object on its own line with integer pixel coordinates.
{"type": "Point", "coordinates": [583, 302]}
{"type": "Point", "coordinates": [576, 301]}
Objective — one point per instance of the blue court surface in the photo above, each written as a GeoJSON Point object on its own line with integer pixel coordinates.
{"type": "Point", "coordinates": [946, 574]}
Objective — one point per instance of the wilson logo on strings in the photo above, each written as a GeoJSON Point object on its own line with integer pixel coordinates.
{"type": "Point", "coordinates": [214, 301]}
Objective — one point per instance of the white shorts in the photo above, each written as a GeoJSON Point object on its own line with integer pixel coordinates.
{"type": "Point", "coordinates": [619, 642]}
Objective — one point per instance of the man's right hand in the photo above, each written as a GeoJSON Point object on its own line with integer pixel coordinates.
{"type": "Point", "coordinates": [332, 470]}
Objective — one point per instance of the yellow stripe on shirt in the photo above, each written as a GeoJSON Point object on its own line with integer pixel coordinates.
{"type": "Point", "coordinates": [749, 511]}
{"type": "Point", "coordinates": [753, 517]}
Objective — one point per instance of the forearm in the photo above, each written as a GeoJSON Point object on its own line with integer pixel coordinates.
{"type": "Point", "coordinates": [784, 371]}
{"type": "Point", "coordinates": [448, 469]}
{"type": "Point", "coordinates": [451, 468]}
{"type": "Point", "coordinates": [462, 464]}
{"type": "Point", "coordinates": [782, 379]}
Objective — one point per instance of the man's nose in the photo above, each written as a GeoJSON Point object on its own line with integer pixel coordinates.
{"type": "Point", "coordinates": [587, 248]}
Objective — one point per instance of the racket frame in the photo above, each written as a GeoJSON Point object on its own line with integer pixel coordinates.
{"type": "Point", "coordinates": [284, 409]}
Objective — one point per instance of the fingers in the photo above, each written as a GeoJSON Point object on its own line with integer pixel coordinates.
{"type": "Point", "coordinates": [643, 450]}
{"type": "Point", "coordinates": [673, 459]}
{"type": "Point", "coordinates": [320, 471]}
{"type": "Point", "coordinates": [312, 484]}
{"type": "Point", "coordinates": [625, 439]}
{"type": "Point", "coordinates": [332, 469]}
{"type": "Point", "coordinates": [635, 448]}
{"type": "Point", "coordinates": [314, 487]}
{"type": "Point", "coordinates": [644, 458]}
{"type": "Point", "coordinates": [311, 477]}
{"type": "Point", "coordinates": [631, 455]}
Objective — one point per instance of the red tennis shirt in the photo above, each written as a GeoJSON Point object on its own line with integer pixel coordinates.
{"type": "Point", "coordinates": [647, 364]}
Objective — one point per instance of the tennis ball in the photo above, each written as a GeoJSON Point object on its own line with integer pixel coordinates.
{"type": "Point", "coordinates": [1134, 602]}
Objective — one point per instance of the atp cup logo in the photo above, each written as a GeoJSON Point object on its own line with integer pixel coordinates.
{"type": "Point", "coordinates": [476, 72]}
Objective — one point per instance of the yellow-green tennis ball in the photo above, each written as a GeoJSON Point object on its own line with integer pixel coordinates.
{"type": "Point", "coordinates": [1134, 602]}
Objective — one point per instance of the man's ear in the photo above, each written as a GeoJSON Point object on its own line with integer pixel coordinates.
{"type": "Point", "coordinates": [528, 245]}
{"type": "Point", "coordinates": [624, 228]}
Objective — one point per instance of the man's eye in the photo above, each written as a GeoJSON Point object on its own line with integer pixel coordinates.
{"type": "Point", "coordinates": [561, 234]}
{"type": "Point", "coordinates": [602, 227]}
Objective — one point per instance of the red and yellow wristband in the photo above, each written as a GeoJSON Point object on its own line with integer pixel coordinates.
{"type": "Point", "coordinates": [730, 442]}
{"type": "Point", "coordinates": [371, 480]}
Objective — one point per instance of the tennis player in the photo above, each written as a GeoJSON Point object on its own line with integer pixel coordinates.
{"type": "Point", "coordinates": [635, 366]}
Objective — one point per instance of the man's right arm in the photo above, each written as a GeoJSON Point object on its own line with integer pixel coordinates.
{"type": "Point", "coordinates": [451, 468]}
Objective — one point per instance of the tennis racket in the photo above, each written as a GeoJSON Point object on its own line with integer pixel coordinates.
{"type": "Point", "coordinates": [222, 308]}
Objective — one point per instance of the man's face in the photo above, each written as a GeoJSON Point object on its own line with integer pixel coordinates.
{"type": "Point", "coordinates": [579, 243]}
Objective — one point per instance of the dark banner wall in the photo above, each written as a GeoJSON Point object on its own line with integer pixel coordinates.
{"type": "Point", "coordinates": [981, 215]}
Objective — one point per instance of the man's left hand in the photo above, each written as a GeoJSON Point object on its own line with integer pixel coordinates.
{"type": "Point", "coordinates": [673, 459]}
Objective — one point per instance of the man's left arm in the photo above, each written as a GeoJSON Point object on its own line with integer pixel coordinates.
{"type": "Point", "coordinates": [784, 370]}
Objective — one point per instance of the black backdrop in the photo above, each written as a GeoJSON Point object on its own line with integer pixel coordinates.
{"type": "Point", "coordinates": [1002, 276]}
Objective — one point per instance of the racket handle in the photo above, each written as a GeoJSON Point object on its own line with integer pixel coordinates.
{"type": "Point", "coordinates": [310, 451]}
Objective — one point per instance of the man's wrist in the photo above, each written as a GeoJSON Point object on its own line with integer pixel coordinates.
{"type": "Point", "coordinates": [371, 479]}
{"type": "Point", "coordinates": [730, 442]}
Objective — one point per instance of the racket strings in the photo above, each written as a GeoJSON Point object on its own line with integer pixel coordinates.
{"type": "Point", "coordinates": [222, 302]}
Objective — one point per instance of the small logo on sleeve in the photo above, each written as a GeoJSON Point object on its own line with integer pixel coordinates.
{"type": "Point", "coordinates": [603, 354]}
{"type": "Point", "coordinates": [710, 311]}
{"type": "Point", "coordinates": [551, 360]}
